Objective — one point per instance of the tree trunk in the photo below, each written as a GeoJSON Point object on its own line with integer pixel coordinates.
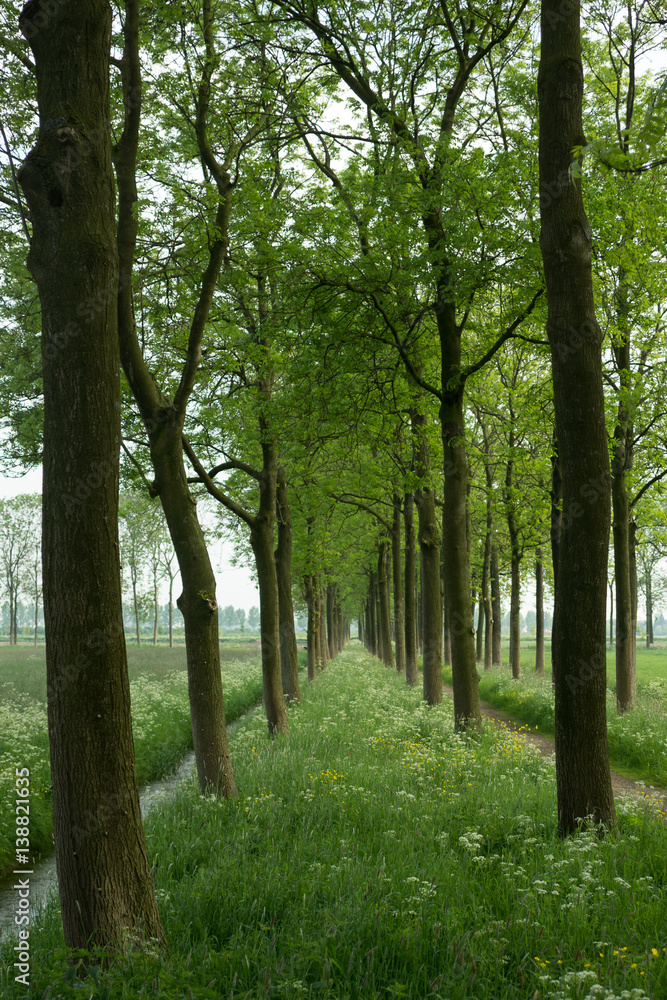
{"type": "Point", "coordinates": [135, 598]}
{"type": "Point", "coordinates": [579, 637]}
{"type": "Point", "coordinates": [411, 669]}
{"type": "Point", "coordinates": [556, 496]}
{"type": "Point", "coordinates": [312, 636]}
{"type": "Point", "coordinates": [515, 612]}
{"type": "Point", "coordinates": [171, 611]}
{"type": "Point", "coordinates": [625, 693]}
{"type": "Point", "coordinates": [156, 610]}
{"type": "Point", "coordinates": [465, 679]}
{"type": "Point", "coordinates": [67, 180]}
{"type": "Point", "coordinates": [262, 539]}
{"type": "Point", "coordinates": [383, 589]}
{"type": "Point", "coordinates": [447, 633]}
{"type": "Point", "coordinates": [289, 663]}
{"type": "Point", "coordinates": [330, 621]}
{"type": "Point", "coordinates": [399, 605]}
{"type": "Point", "coordinates": [372, 607]}
{"type": "Point", "coordinates": [611, 613]}
{"type": "Point", "coordinates": [625, 686]}
{"type": "Point", "coordinates": [322, 630]}
{"type": "Point", "coordinates": [164, 420]}
{"type": "Point", "coordinates": [429, 547]}
{"type": "Point", "coordinates": [496, 608]}
{"type": "Point", "coordinates": [634, 596]}
{"type": "Point", "coordinates": [649, 609]}
{"type": "Point", "coordinates": [539, 614]}
{"type": "Point", "coordinates": [484, 598]}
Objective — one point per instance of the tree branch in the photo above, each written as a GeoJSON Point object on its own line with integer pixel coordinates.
{"type": "Point", "coordinates": [214, 490]}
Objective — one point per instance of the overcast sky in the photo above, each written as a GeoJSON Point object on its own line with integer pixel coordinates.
{"type": "Point", "coordinates": [234, 584]}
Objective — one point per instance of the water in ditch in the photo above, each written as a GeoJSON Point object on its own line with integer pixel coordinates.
{"type": "Point", "coordinates": [43, 877]}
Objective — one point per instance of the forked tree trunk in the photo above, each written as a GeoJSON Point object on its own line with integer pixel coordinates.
{"type": "Point", "coordinates": [164, 422]}
{"type": "Point", "coordinates": [411, 669]}
{"type": "Point", "coordinates": [68, 183]}
{"type": "Point", "coordinates": [579, 637]}
{"type": "Point", "coordinates": [289, 662]}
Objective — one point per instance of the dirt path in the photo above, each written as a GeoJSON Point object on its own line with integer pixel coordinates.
{"type": "Point", "coordinates": [545, 744]}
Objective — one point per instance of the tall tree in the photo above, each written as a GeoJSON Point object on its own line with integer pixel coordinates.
{"type": "Point", "coordinates": [163, 413]}
{"type": "Point", "coordinates": [579, 628]}
{"type": "Point", "coordinates": [68, 183]}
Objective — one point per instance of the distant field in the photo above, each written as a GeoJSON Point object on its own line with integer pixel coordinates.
{"type": "Point", "coordinates": [24, 667]}
{"type": "Point", "coordinates": [651, 663]}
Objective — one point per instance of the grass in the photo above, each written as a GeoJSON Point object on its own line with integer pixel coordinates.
{"type": "Point", "coordinates": [637, 739]}
{"type": "Point", "coordinates": [374, 853]}
{"type": "Point", "coordinates": [160, 722]}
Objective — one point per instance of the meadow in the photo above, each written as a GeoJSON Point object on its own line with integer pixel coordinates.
{"type": "Point", "coordinates": [374, 853]}
{"type": "Point", "coordinates": [637, 739]}
{"type": "Point", "coordinates": [160, 722]}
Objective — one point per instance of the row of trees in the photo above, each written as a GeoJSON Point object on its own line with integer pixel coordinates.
{"type": "Point", "coordinates": [339, 237]}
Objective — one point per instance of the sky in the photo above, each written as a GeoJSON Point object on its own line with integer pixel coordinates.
{"type": "Point", "coordinates": [234, 584]}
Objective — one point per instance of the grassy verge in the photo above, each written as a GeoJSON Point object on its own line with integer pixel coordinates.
{"type": "Point", "coordinates": [373, 853]}
{"type": "Point", "coordinates": [637, 739]}
{"type": "Point", "coordinates": [160, 721]}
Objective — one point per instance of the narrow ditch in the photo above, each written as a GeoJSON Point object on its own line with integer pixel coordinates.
{"type": "Point", "coordinates": [43, 876]}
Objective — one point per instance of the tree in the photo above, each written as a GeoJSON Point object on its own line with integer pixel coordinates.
{"type": "Point", "coordinates": [163, 412]}
{"type": "Point", "coordinates": [67, 181]}
{"type": "Point", "coordinates": [579, 632]}
{"type": "Point", "coordinates": [19, 519]}
{"type": "Point", "coordinates": [253, 619]}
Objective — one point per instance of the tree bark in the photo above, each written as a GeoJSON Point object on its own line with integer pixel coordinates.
{"type": "Point", "coordinates": [262, 540]}
{"type": "Point", "coordinates": [579, 638]}
{"type": "Point", "coordinates": [330, 621]}
{"type": "Point", "coordinates": [465, 679]}
{"type": "Point", "coordinates": [289, 662]}
{"type": "Point", "coordinates": [429, 547]}
{"type": "Point", "coordinates": [164, 420]}
{"type": "Point", "coordinates": [556, 495]}
{"type": "Point", "coordinates": [67, 180]}
{"type": "Point", "coordinates": [515, 561]}
{"type": "Point", "coordinates": [322, 615]}
{"type": "Point", "coordinates": [399, 604]}
{"type": "Point", "coordinates": [497, 610]}
{"type": "Point", "coordinates": [484, 600]}
{"type": "Point", "coordinates": [411, 669]}
{"type": "Point", "coordinates": [312, 636]}
{"type": "Point", "coordinates": [372, 607]}
{"type": "Point", "coordinates": [383, 588]}
{"type": "Point", "coordinates": [625, 692]}
{"type": "Point", "coordinates": [634, 592]}
{"type": "Point", "coordinates": [539, 614]}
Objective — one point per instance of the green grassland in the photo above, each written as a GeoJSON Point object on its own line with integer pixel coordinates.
{"type": "Point", "coordinates": [374, 853]}
{"type": "Point", "coordinates": [160, 723]}
{"type": "Point", "coordinates": [637, 739]}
